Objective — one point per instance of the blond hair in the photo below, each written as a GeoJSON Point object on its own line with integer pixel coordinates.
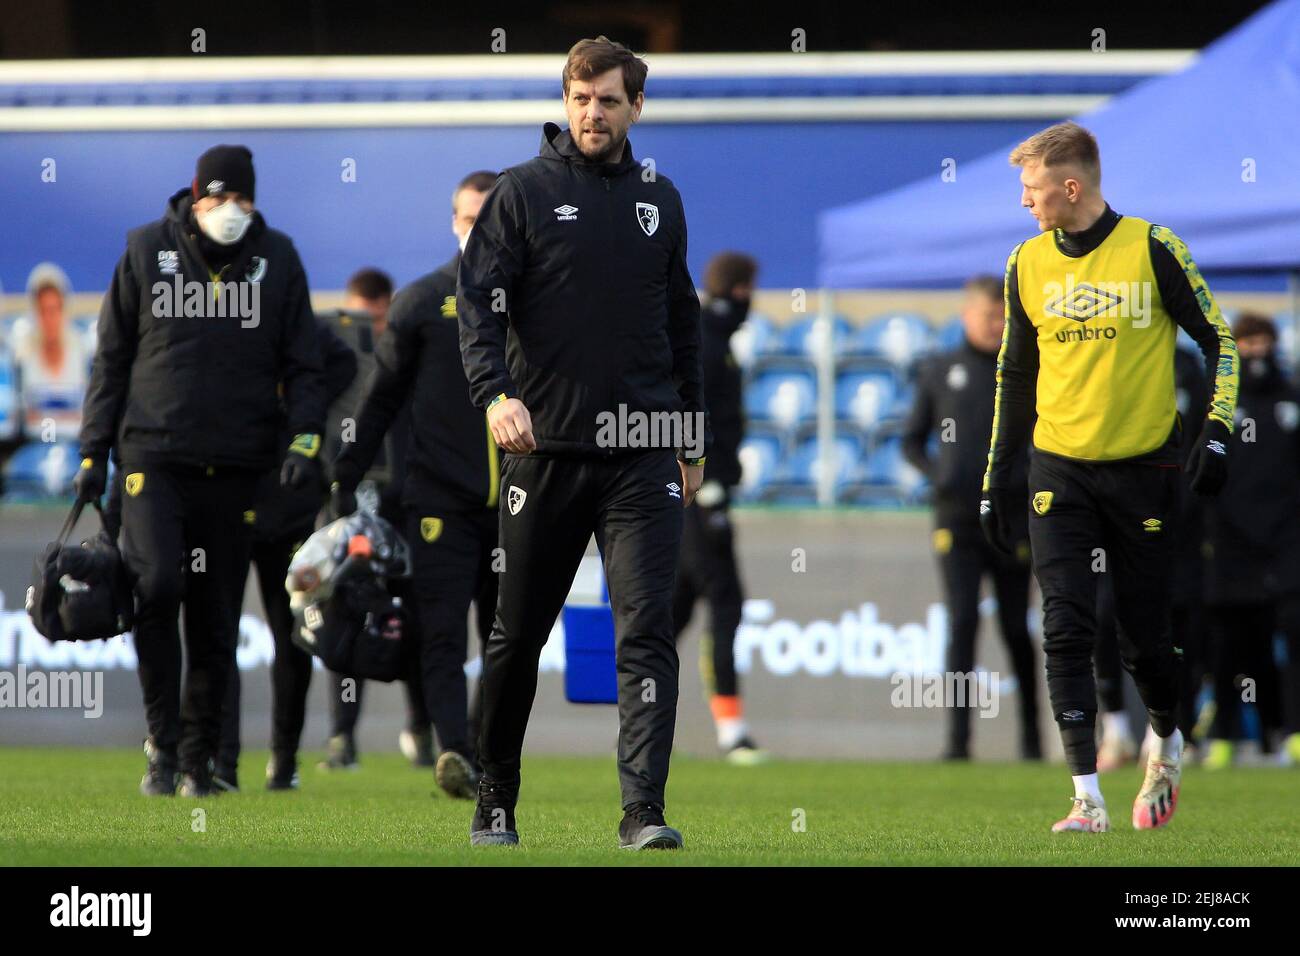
{"type": "Point", "coordinates": [1062, 144]}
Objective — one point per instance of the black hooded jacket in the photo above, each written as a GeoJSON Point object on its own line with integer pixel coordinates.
{"type": "Point", "coordinates": [451, 461]}
{"type": "Point", "coordinates": [203, 390]}
{"type": "Point", "coordinates": [574, 296]}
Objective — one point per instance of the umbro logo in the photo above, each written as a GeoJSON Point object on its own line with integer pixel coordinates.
{"type": "Point", "coordinates": [566, 213]}
{"type": "Point", "coordinates": [674, 489]}
{"type": "Point", "coordinates": [1083, 302]}
{"type": "Point", "coordinates": [216, 187]}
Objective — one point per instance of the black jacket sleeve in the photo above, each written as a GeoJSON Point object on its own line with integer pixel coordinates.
{"type": "Point", "coordinates": [1187, 299]}
{"type": "Point", "coordinates": [397, 360]}
{"type": "Point", "coordinates": [301, 366]}
{"type": "Point", "coordinates": [114, 355]}
{"type": "Point", "coordinates": [684, 334]}
{"type": "Point", "coordinates": [920, 422]}
{"type": "Point", "coordinates": [492, 263]}
{"type": "Point", "coordinates": [1015, 401]}
{"type": "Point", "coordinates": [340, 363]}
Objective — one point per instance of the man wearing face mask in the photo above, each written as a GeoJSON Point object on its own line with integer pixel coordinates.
{"type": "Point", "coordinates": [707, 566]}
{"type": "Point", "coordinates": [450, 489]}
{"type": "Point", "coordinates": [207, 318]}
{"type": "Point", "coordinates": [1253, 573]}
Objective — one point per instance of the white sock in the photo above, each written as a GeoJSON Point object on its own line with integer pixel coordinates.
{"type": "Point", "coordinates": [1169, 747]}
{"type": "Point", "coordinates": [1114, 725]}
{"type": "Point", "coordinates": [730, 730]}
{"type": "Point", "coordinates": [1087, 785]}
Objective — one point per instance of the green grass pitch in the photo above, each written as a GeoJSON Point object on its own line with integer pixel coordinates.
{"type": "Point", "coordinates": [79, 807]}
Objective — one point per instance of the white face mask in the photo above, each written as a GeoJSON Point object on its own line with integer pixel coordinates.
{"type": "Point", "coordinates": [464, 239]}
{"type": "Point", "coordinates": [225, 224]}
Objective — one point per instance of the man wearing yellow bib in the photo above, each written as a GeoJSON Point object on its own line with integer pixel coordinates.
{"type": "Point", "coordinates": [1093, 307]}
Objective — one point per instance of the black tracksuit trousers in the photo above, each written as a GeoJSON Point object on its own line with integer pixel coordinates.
{"type": "Point", "coordinates": [708, 569]}
{"type": "Point", "coordinates": [550, 507]}
{"type": "Point", "coordinates": [290, 669]}
{"type": "Point", "coordinates": [185, 541]}
{"type": "Point", "coordinates": [1121, 519]}
{"type": "Point", "coordinates": [963, 567]}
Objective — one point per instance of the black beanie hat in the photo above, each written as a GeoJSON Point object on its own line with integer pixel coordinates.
{"type": "Point", "coordinates": [224, 169]}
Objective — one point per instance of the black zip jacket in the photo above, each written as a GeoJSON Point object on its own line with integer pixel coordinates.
{"type": "Point", "coordinates": [451, 460]}
{"type": "Point", "coordinates": [723, 390]}
{"type": "Point", "coordinates": [575, 298]}
{"type": "Point", "coordinates": [956, 388]}
{"type": "Point", "coordinates": [202, 391]}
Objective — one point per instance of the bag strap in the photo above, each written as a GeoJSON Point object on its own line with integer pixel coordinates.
{"type": "Point", "coordinates": [73, 517]}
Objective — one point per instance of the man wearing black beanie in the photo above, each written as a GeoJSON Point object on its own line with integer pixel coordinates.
{"type": "Point", "coordinates": [207, 319]}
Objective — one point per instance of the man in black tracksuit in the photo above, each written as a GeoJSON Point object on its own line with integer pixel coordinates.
{"type": "Point", "coordinates": [1253, 572]}
{"type": "Point", "coordinates": [449, 491]}
{"type": "Point", "coordinates": [954, 395]}
{"type": "Point", "coordinates": [579, 321]}
{"type": "Point", "coordinates": [207, 316]}
{"type": "Point", "coordinates": [707, 567]}
{"type": "Point", "coordinates": [283, 518]}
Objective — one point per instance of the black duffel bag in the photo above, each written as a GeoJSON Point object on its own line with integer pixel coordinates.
{"type": "Point", "coordinates": [357, 631]}
{"type": "Point", "coordinates": [81, 592]}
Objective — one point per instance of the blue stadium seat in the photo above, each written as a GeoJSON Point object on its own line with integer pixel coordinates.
{"type": "Point", "coordinates": [865, 396]}
{"type": "Point", "coordinates": [950, 335]}
{"type": "Point", "coordinates": [760, 459]}
{"type": "Point", "coordinates": [10, 409]}
{"type": "Point", "coordinates": [42, 470]}
{"type": "Point", "coordinates": [755, 338]}
{"type": "Point", "coordinates": [801, 472]}
{"type": "Point", "coordinates": [785, 395]}
{"type": "Point", "coordinates": [885, 476]}
{"type": "Point", "coordinates": [804, 337]}
{"type": "Point", "coordinates": [900, 337]}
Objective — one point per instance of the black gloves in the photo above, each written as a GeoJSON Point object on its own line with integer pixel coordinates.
{"type": "Point", "coordinates": [91, 480]}
{"type": "Point", "coordinates": [301, 467]}
{"type": "Point", "coordinates": [995, 519]}
{"type": "Point", "coordinates": [1208, 463]}
{"type": "Point", "coordinates": [343, 501]}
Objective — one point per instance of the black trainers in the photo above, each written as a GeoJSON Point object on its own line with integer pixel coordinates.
{"type": "Point", "coordinates": [494, 816]}
{"type": "Point", "coordinates": [342, 754]}
{"type": "Point", "coordinates": [281, 773]}
{"type": "Point", "coordinates": [198, 783]}
{"type": "Point", "coordinates": [456, 776]}
{"type": "Point", "coordinates": [643, 828]}
{"type": "Point", "coordinates": [159, 779]}
{"type": "Point", "coordinates": [226, 779]}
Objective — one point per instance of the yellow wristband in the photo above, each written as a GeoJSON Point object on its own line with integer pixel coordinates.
{"type": "Point", "coordinates": [307, 445]}
{"type": "Point", "coordinates": [496, 401]}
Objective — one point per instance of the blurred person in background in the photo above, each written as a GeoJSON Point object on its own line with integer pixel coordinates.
{"type": "Point", "coordinates": [707, 566]}
{"type": "Point", "coordinates": [1253, 537]}
{"type": "Point", "coordinates": [954, 396]}
{"type": "Point", "coordinates": [1118, 745]}
{"type": "Point", "coordinates": [185, 393]}
{"type": "Point", "coordinates": [370, 291]}
{"type": "Point", "coordinates": [52, 358]}
{"type": "Point", "coordinates": [452, 481]}
{"type": "Point", "coordinates": [282, 520]}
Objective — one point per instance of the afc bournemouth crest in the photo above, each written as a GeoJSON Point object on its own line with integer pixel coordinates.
{"type": "Point", "coordinates": [256, 269]}
{"type": "Point", "coordinates": [648, 216]}
{"type": "Point", "coordinates": [515, 499]}
{"type": "Point", "coordinates": [1042, 502]}
{"type": "Point", "coordinates": [430, 529]}
{"type": "Point", "coordinates": [135, 483]}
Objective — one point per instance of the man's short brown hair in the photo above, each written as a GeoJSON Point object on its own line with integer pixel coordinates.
{"type": "Point", "coordinates": [727, 270]}
{"type": "Point", "coordinates": [1059, 145]}
{"type": "Point", "coordinates": [480, 181]}
{"type": "Point", "coordinates": [1252, 323]}
{"type": "Point", "coordinates": [370, 284]}
{"type": "Point", "coordinates": [986, 285]}
{"type": "Point", "coordinates": [590, 58]}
